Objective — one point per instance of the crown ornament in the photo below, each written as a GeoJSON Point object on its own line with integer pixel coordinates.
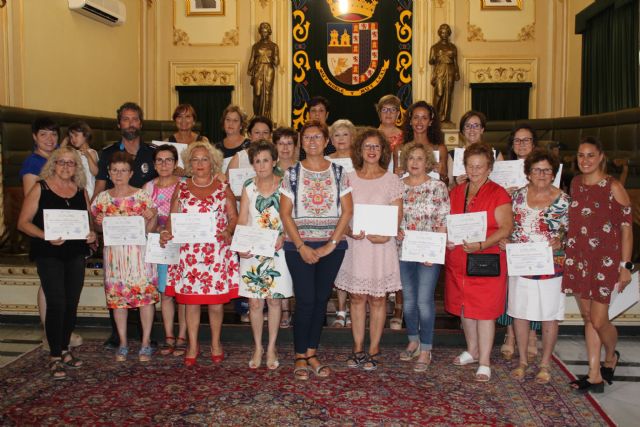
{"type": "Point", "coordinates": [352, 10]}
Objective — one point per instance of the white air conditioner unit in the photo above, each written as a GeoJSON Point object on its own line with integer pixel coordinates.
{"type": "Point", "coordinates": [110, 12]}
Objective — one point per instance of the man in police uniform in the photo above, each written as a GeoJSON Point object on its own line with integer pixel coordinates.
{"type": "Point", "coordinates": [130, 124]}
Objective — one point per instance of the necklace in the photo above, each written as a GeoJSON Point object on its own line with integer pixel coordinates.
{"type": "Point", "coordinates": [201, 186]}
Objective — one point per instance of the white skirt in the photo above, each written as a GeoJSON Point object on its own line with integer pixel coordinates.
{"type": "Point", "coordinates": [535, 300]}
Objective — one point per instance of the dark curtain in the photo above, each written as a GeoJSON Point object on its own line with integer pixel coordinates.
{"type": "Point", "coordinates": [209, 103]}
{"type": "Point", "coordinates": [610, 59]}
{"type": "Point", "coordinates": [501, 101]}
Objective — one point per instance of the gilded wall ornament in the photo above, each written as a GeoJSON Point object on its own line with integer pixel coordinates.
{"type": "Point", "coordinates": [528, 32]}
{"type": "Point", "coordinates": [180, 37]}
{"type": "Point", "coordinates": [500, 74]}
{"type": "Point", "coordinates": [231, 38]}
{"type": "Point", "coordinates": [204, 77]}
{"type": "Point", "coordinates": [474, 33]}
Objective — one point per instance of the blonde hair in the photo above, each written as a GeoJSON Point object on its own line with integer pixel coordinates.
{"type": "Point", "coordinates": [343, 124]}
{"type": "Point", "coordinates": [407, 149]}
{"type": "Point", "coordinates": [48, 170]}
{"type": "Point", "coordinates": [214, 155]}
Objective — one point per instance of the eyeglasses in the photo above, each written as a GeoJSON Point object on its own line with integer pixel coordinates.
{"type": "Point", "coordinates": [522, 141]}
{"type": "Point", "coordinates": [372, 147]}
{"type": "Point", "coordinates": [200, 160]}
{"type": "Point", "coordinates": [119, 171]}
{"type": "Point", "coordinates": [473, 126]}
{"type": "Point", "coordinates": [70, 163]}
{"type": "Point", "coordinates": [541, 171]}
{"type": "Point", "coordinates": [167, 161]}
{"type": "Point", "coordinates": [315, 138]}
{"type": "Point", "coordinates": [388, 110]}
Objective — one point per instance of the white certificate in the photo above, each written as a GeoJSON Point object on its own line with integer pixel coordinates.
{"type": "Point", "coordinates": [470, 227]}
{"type": "Point", "coordinates": [225, 163]}
{"type": "Point", "coordinates": [424, 246]}
{"type": "Point", "coordinates": [237, 177]}
{"type": "Point", "coordinates": [156, 254]}
{"type": "Point", "coordinates": [622, 301]}
{"type": "Point", "coordinates": [381, 220]}
{"type": "Point", "coordinates": [193, 227]}
{"type": "Point", "coordinates": [529, 259]}
{"type": "Point", "coordinates": [345, 162]}
{"type": "Point", "coordinates": [556, 180]}
{"type": "Point", "coordinates": [509, 173]}
{"type": "Point", "coordinates": [123, 230]}
{"type": "Point", "coordinates": [458, 162]}
{"type": "Point", "coordinates": [66, 224]}
{"type": "Point", "coordinates": [255, 240]}
{"type": "Point", "coordinates": [179, 146]}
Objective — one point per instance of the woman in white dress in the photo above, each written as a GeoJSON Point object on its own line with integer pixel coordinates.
{"type": "Point", "coordinates": [264, 278]}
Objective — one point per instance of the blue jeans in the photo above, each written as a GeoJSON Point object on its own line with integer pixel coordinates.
{"type": "Point", "coordinates": [418, 286]}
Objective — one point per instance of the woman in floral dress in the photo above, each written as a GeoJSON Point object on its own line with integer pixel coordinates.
{"type": "Point", "coordinates": [599, 247]}
{"type": "Point", "coordinates": [264, 277]}
{"type": "Point", "coordinates": [207, 273]}
{"type": "Point", "coordinates": [129, 282]}
{"type": "Point", "coordinates": [540, 215]}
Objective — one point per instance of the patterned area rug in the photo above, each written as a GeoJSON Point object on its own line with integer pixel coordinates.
{"type": "Point", "coordinates": [163, 392]}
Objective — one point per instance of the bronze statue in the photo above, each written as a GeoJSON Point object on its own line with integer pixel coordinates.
{"type": "Point", "coordinates": [444, 58]}
{"type": "Point", "coordinates": [264, 60]}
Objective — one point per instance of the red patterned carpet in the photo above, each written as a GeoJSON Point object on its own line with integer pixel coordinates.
{"type": "Point", "coordinates": [163, 392]}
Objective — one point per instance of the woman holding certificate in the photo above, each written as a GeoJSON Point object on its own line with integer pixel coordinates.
{"type": "Point", "coordinates": [60, 262]}
{"type": "Point", "coordinates": [370, 268]}
{"type": "Point", "coordinates": [540, 215]}
{"type": "Point", "coordinates": [264, 277]}
{"type": "Point", "coordinates": [207, 272]}
{"type": "Point", "coordinates": [475, 286]}
{"type": "Point", "coordinates": [599, 247]}
{"type": "Point", "coordinates": [425, 208]}
{"type": "Point", "coordinates": [165, 160]}
{"type": "Point", "coordinates": [129, 282]}
{"type": "Point", "coordinates": [315, 209]}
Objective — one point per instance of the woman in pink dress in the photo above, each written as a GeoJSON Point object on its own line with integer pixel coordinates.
{"type": "Point", "coordinates": [370, 268]}
{"type": "Point", "coordinates": [599, 248]}
{"type": "Point", "coordinates": [207, 273]}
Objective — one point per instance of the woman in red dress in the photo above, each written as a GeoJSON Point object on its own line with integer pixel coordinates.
{"type": "Point", "coordinates": [479, 301]}
{"type": "Point", "coordinates": [598, 257]}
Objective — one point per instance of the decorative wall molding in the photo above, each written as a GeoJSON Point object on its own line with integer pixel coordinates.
{"type": "Point", "coordinates": [180, 37]}
{"type": "Point", "coordinates": [474, 34]}
{"type": "Point", "coordinates": [264, 3]}
{"type": "Point", "coordinates": [204, 77]}
{"type": "Point", "coordinates": [231, 38]}
{"type": "Point", "coordinates": [528, 32]}
{"type": "Point", "coordinates": [3, 3]}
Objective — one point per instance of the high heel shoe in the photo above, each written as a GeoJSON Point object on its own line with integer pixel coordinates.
{"type": "Point", "coordinates": [217, 358]}
{"type": "Point", "coordinates": [506, 349]}
{"type": "Point", "coordinates": [192, 361]}
{"type": "Point", "coordinates": [607, 373]}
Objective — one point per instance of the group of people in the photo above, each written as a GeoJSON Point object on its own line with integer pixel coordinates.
{"type": "Point", "coordinates": [310, 203]}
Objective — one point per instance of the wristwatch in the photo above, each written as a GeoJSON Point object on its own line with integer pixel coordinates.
{"type": "Point", "coordinates": [626, 265]}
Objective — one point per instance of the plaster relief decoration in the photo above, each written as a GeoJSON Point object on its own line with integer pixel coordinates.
{"type": "Point", "coordinates": [264, 3]}
{"type": "Point", "coordinates": [205, 7]}
{"type": "Point", "coordinates": [204, 77]}
{"type": "Point", "coordinates": [515, 73]}
{"type": "Point", "coordinates": [516, 18]}
{"type": "Point", "coordinates": [210, 73]}
{"type": "Point", "coordinates": [205, 23]}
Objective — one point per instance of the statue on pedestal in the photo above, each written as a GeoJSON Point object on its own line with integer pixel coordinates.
{"type": "Point", "coordinates": [262, 65]}
{"type": "Point", "coordinates": [444, 58]}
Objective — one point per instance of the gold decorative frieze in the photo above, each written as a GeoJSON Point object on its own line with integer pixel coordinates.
{"type": "Point", "coordinates": [474, 33]}
{"type": "Point", "coordinates": [503, 73]}
{"type": "Point", "coordinates": [231, 38]}
{"type": "Point", "coordinates": [180, 37]}
{"type": "Point", "coordinates": [264, 3]}
{"type": "Point", "coordinates": [204, 77]}
{"type": "Point", "coordinates": [528, 32]}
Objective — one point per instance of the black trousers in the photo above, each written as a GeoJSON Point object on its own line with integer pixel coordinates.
{"type": "Point", "coordinates": [312, 285]}
{"type": "Point", "coordinates": [62, 281]}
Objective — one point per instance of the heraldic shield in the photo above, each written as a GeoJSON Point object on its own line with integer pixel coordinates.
{"type": "Point", "coordinates": [338, 53]}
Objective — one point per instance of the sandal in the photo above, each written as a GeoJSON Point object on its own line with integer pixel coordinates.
{"type": "Point", "coordinates": [70, 360]}
{"type": "Point", "coordinates": [317, 371]}
{"type": "Point", "coordinates": [340, 320]}
{"type": "Point", "coordinates": [464, 358]}
{"type": "Point", "coordinates": [519, 373]}
{"type": "Point", "coordinates": [273, 363]}
{"type": "Point", "coordinates": [168, 347]}
{"type": "Point", "coordinates": [371, 364]}
{"type": "Point", "coordinates": [285, 321]}
{"type": "Point", "coordinates": [532, 348]}
{"type": "Point", "coordinates": [422, 366]}
{"type": "Point", "coordinates": [396, 321]}
{"type": "Point", "coordinates": [543, 376]}
{"type": "Point", "coordinates": [483, 374]}
{"type": "Point", "coordinates": [56, 370]}
{"type": "Point", "coordinates": [356, 359]}
{"type": "Point", "coordinates": [181, 347]}
{"type": "Point", "coordinates": [301, 373]}
{"type": "Point", "coordinates": [253, 364]}
{"type": "Point", "coordinates": [407, 355]}
{"type": "Point", "coordinates": [607, 373]}
{"type": "Point", "coordinates": [507, 350]}
{"type": "Point", "coordinates": [144, 355]}
{"type": "Point", "coordinates": [583, 385]}
{"type": "Point", "coordinates": [121, 354]}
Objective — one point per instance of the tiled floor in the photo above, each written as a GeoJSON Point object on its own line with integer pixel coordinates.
{"type": "Point", "coordinates": [619, 400]}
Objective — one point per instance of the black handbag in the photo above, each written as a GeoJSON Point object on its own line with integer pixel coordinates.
{"type": "Point", "coordinates": [483, 265]}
